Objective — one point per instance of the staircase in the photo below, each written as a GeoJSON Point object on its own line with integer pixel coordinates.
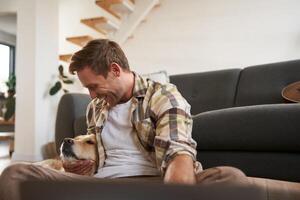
{"type": "Point", "coordinates": [123, 17]}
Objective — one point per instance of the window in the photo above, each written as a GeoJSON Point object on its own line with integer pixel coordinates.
{"type": "Point", "coordinates": [6, 64]}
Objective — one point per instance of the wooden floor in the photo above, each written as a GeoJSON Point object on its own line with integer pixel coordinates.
{"type": "Point", "coordinates": [4, 155]}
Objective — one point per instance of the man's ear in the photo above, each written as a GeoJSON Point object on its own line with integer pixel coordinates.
{"type": "Point", "coordinates": [115, 69]}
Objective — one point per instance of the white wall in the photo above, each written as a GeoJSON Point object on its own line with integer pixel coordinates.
{"type": "Point", "coordinates": [8, 6]}
{"type": "Point", "coordinates": [37, 53]}
{"type": "Point", "coordinates": [201, 35]}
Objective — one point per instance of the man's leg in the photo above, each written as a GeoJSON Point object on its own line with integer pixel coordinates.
{"type": "Point", "coordinates": [16, 173]}
{"type": "Point", "coordinates": [269, 189]}
{"type": "Point", "coordinates": [276, 189]}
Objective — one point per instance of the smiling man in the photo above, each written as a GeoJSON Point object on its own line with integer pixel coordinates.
{"type": "Point", "coordinates": [142, 127]}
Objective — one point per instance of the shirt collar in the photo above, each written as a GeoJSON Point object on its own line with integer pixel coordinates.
{"type": "Point", "coordinates": [140, 86]}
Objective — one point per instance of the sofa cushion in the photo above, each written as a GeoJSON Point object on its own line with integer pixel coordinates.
{"type": "Point", "coordinates": [71, 107]}
{"type": "Point", "coordinates": [262, 84]}
{"type": "Point", "coordinates": [274, 165]}
{"type": "Point", "coordinates": [208, 90]}
{"type": "Point", "coordinates": [272, 128]}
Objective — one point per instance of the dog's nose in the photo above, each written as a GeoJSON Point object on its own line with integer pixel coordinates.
{"type": "Point", "coordinates": [68, 141]}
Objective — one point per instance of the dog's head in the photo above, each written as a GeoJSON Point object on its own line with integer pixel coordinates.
{"type": "Point", "coordinates": [83, 147]}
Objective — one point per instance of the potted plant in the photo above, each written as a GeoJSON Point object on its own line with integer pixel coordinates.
{"type": "Point", "coordinates": [10, 100]}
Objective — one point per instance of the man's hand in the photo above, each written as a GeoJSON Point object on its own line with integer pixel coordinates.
{"type": "Point", "coordinates": [180, 170]}
{"type": "Point", "coordinates": [81, 167]}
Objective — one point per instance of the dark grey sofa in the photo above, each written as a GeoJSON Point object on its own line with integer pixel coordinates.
{"type": "Point", "coordinates": [240, 118]}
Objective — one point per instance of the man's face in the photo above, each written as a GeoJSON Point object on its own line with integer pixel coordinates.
{"type": "Point", "coordinates": [110, 88]}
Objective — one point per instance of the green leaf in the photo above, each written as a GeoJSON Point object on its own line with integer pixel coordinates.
{"type": "Point", "coordinates": [67, 81]}
{"type": "Point", "coordinates": [11, 83]}
{"type": "Point", "coordinates": [55, 88]}
{"type": "Point", "coordinates": [10, 106]}
{"type": "Point", "coordinates": [65, 90]}
{"type": "Point", "coordinates": [61, 71]}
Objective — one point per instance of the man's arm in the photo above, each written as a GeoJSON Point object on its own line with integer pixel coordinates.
{"type": "Point", "coordinates": [175, 149]}
{"type": "Point", "coordinates": [80, 167]}
{"type": "Point", "coordinates": [180, 170]}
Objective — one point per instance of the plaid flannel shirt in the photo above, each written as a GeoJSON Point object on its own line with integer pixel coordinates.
{"type": "Point", "coordinates": [161, 117]}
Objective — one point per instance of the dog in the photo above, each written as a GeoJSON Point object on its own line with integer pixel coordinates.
{"type": "Point", "coordinates": [82, 147]}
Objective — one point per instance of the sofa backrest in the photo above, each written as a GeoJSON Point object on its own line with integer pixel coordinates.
{"type": "Point", "coordinates": [208, 90]}
{"type": "Point", "coordinates": [262, 84]}
{"type": "Point", "coordinates": [70, 119]}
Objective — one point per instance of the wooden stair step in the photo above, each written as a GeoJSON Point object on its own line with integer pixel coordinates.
{"type": "Point", "coordinates": [65, 57]}
{"type": "Point", "coordinates": [116, 7]}
{"type": "Point", "coordinates": [101, 24]}
{"type": "Point", "coordinates": [80, 40]}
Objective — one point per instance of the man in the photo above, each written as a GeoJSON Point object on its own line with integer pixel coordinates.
{"type": "Point", "coordinates": [143, 129]}
{"type": "Point", "coordinates": [160, 116]}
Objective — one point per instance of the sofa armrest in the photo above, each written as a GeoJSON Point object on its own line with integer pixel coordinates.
{"type": "Point", "coordinates": [272, 127]}
{"type": "Point", "coordinates": [133, 189]}
{"type": "Point", "coordinates": [71, 107]}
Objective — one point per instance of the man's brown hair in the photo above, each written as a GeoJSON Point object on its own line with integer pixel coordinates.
{"type": "Point", "coordinates": [99, 54]}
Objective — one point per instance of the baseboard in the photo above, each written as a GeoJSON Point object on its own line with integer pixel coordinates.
{"type": "Point", "coordinates": [25, 157]}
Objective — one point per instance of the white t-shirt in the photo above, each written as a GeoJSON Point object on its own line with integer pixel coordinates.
{"type": "Point", "coordinates": [123, 158]}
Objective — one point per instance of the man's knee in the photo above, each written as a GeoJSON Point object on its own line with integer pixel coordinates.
{"type": "Point", "coordinates": [10, 179]}
{"type": "Point", "coordinates": [15, 170]}
{"type": "Point", "coordinates": [232, 172]}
